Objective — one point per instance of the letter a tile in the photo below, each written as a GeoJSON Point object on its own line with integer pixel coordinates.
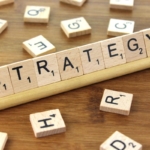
{"type": "Point", "coordinates": [47, 123]}
{"type": "Point", "coordinates": [134, 46]}
{"type": "Point", "coordinates": [116, 102]}
{"type": "Point", "coordinates": [38, 46]}
{"type": "Point", "coordinates": [3, 140]}
{"type": "Point", "coordinates": [23, 75]}
{"type": "Point", "coordinates": [113, 52]}
{"type": "Point", "coordinates": [69, 63]}
{"type": "Point", "coordinates": [118, 141]}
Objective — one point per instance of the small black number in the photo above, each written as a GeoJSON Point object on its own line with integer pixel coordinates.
{"type": "Point", "coordinates": [141, 50]}
{"type": "Point", "coordinates": [5, 86]}
{"type": "Point", "coordinates": [29, 79]}
{"type": "Point", "coordinates": [132, 145]}
{"type": "Point", "coordinates": [98, 61]}
{"type": "Point", "coordinates": [77, 69]}
{"type": "Point", "coordinates": [121, 56]}
{"type": "Point", "coordinates": [53, 73]}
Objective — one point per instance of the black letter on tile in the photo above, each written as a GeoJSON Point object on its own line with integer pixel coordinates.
{"type": "Point", "coordinates": [110, 50]}
{"type": "Point", "coordinates": [18, 71]}
{"type": "Point", "coordinates": [46, 125]}
{"type": "Point", "coordinates": [115, 146]}
{"type": "Point", "coordinates": [112, 99]}
{"type": "Point", "coordinates": [88, 54]}
{"type": "Point", "coordinates": [67, 63]}
{"type": "Point", "coordinates": [135, 45]}
{"type": "Point", "coordinates": [42, 66]}
{"type": "Point", "coordinates": [41, 45]}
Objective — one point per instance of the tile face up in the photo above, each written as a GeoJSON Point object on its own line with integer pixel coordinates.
{"type": "Point", "coordinates": [3, 140]}
{"type": "Point", "coordinates": [23, 75]}
{"type": "Point", "coordinates": [134, 46]}
{"type": "Point", "coordinates": [38, 46]}
{"type": "Point", "coordinates": [46, 68]}
{"type": "Point", "coordinates": [75, 27]}
{"type": "Point", "coordinates": [38, 14]}
{"type": "Point", "coordinates": [122, 4]}
{"type": "Point", "coordinates": [113, 52]}
{"type": "Point", "coordinates": [118, 141]}
{"type": "Point", "coordinates": [74, 2]}
{"type": "Point", "coordinates": [119, 27]}
{"type": "Point", "coordinates": [146, 34]}
{"type": "Point", "coordinates": [3, 25]}
{"type": "Point", "coordinates": [116, 102]}
{"type": "Point", "coordinates": [47, 123]}
{"type": "Point", "coordinates": [6, 2]}
{"type": "Point", "coordinates": [91, 57]}
{"type": "Point", "coordinates": [5, 82]}
{"type": "Point", "coordinates": [69, 63]}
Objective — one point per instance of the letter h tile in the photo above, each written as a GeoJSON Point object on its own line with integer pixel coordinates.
{"type": "Point", "coordinates": [47, 123]}
{"type": "Point", "coordinates": [116, 102]}
{"type": "Point", "coordinates": [118, 141]}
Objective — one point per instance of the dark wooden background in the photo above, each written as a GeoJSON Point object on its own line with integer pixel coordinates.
{"type": "Point", "coordinates": [87, 127]}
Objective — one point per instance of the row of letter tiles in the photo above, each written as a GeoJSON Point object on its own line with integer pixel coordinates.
{"type": "Point", "coordinates": [47, 123]}
{"type": "Point", "coordinates": [74, 2]}
{"type": "Point", "coordinates": [118, 141]}
{"type": "Point", "coordinates": [5, 2]}
{"type": "Point", "coordinates": [72, 63]}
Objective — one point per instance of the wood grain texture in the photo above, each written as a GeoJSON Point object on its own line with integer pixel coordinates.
{"type": "Point", "coordinates": [87, 126]}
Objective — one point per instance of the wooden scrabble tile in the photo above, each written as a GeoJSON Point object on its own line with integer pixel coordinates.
{"type": "Point", "coordinates": [46, 69]}
{"type": "Point", "coordinates": [122, 4]}
{"type": "Point", "coordinates": [69, 63]}
{"type": "Point", "coordinates": [39, 14]}
{"type": "Point", "coordinates": [3, 140]}
{"type": "Point", "coordinates": [113, 52]}
{"type": "Point", "coordinates": [91, 57]}
{"type": "Point", "coordinates": [75, 27]}
{"type": "Point", "coordinates": [116, 102]}
{"type": "Point", "coordinates": [5, 2]}
{"type": "Point", "coordinates": [5, 82]}
{"type": "Point", "coordinates": [134, 46]}
{"type": "Point", "coordinates": [118, 141]}
{"type": "Point", "coordinates": [119, 27]}
{"type": "Point", "coordinates": [146, 34]}
{"type": "Point", "coordinates": [47, 123]}
{"type": "Point", "coordinates": [38, 46]}
{"type": "Point", "coordinates": [3, 25]}
{"type": "Point", "coordinates": [74, 2]}
{"type": "Point", "coordinates": [23, 75]}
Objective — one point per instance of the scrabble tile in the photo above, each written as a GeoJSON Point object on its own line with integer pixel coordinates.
{"type": "Point", "coordinates": [47, 123]}
{"type": "Point", "coordinates": [75, 27]}
{"type": "Point", "coordinates": [91, 57]}
{"type": "Point", "coordinates": [23, 75]}
{"type": "Point", "coordinates": [116, 102]}
{"type": "Point", "coordinates": [146, 34]}
{"type": "Point", "coordinates": [38, 46]}
{"type": "Point", "coordinates": [69, 63]}
{"type": "Point", "coordinates": [74, 2]}
{"type": "Point", "coordinates": [46, 69]}
{"type": "Point", "coordinates": [38, 14]}
{"type": "Point", "coordinates": [3, 140]}
{"type": "Point", "coordinates": [5, 82]}
{"type": "Point", "coordinates": [119, 27]}
{"type": "Point", "coordinates": [5, 2]}
{"type": "Point", "coordinates": [122, 4]}
{"type": "Point", "coordinates": [134, 46]}
{"type": "Point", "coordinates": [3, 25]}
{"type": "Point", "coordinates": [118, 141]}
{"type": "Point", "coordinates": [113, 52]}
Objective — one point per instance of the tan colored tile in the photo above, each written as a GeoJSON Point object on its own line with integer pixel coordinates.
{"type": "Point", "coordinates": [3, 140]}
{"type": "Point", "coordinates": [3, 25]}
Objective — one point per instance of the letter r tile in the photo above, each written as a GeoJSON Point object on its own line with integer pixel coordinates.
{"type": "Point", "coordinates": [47, 123]}
{"type": "Point", "coordinates": [134, 46]}
{"type": "Point", "coordinates": [116, 102]}
{"type": "Point", "coordinates": [119, 141]}
{"type": "Point", "coordinates": [69, 63]}
{"type": "Point", "coordinates": [23, 75]}
{"type": "Point", "coordinates": [113, 52]}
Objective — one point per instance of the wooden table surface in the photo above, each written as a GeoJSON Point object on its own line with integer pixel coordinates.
{"type": "Point", "coordinates": [87, 126]}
